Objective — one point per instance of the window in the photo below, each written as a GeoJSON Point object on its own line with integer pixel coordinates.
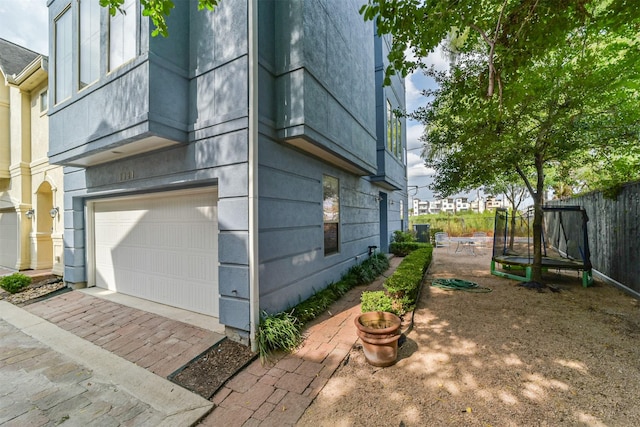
{"type": "Point", "coordinates": [389, 126]}
{"type": "Point", "coordinates": [394, 132]}
{"type": "Point", "coordinates": [398, 152]}
{"type": "Point", "coordinates": [89, 42]}
{"type": "Point", "coordinates": [331, 213]}
{"type": "Point", "coordinates": [62, 28]}
{"type": "Point", "coordinates": [122, 35]}
{"type": "Point", "coordinates": [44, 101]}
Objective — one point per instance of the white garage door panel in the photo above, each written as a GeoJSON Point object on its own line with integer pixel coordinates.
{"type": "Point", "coordinates": [8, 239]}
{"type": "Point", "coordinates": [162, 248]}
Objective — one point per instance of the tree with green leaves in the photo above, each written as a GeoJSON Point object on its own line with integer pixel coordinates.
{"type": "Point", "coordinates": [156, 10]}
{"type": "Point", "coordinates": [536, 84]}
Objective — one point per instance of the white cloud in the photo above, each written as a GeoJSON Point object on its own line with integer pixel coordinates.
{"type": "Point", "coordinates": [413, 158]}
{"type": "Point", "coordinates": [418, 171]}
{"type": "Point", "coordinates": [413, 93]}
{"type": "Point", "coordinates": [414, 132]}
{"type": "Point", "coordinates": [25, 23]}
{"type": "Point", "coordinates": [438, 59]}
{"type": "Point", "coordinates": [416, 167]}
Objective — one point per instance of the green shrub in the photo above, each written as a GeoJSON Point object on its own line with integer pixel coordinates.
{"type": "Point", "coordinates": [405, 248]}
{"type": "Point", "coordinates": [277, 331]}
{"type": "Point", "coordinates": [15, 282]}
{"type": "Point", "coordinates": [457, 224]}
{"type": "Point", "coordinates": [379, 262]}
{"type": "Point", "coordinates": [376, 301]}
{"type": "Point", "coordinates": [403, 285]}
{"type": "Point", "coordinates": [400, 236]}
{"type": "Point", "coordinates": [314, 305]}
{"type": "Point", "coordinates": [339, 288]}
{"type": "Point", "coordinates": [368, 270]}
{"type": "Point", "coordinates": [280, 331]}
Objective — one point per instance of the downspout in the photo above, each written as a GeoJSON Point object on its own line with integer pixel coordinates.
{"type": "Point", "coordinates": [254, 267]}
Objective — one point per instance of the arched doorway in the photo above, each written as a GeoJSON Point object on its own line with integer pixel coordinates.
{"type": "Point", "coordinates": [41, 242]}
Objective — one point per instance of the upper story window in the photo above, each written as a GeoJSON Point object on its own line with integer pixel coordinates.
{"type": "Point", "coordinates": [398, 152]}
{"type": "Point", "coordinates": [44, 101]}
{"type": "Point", "coordinates": [389, 126]}
{"type": "Point", "coordinates": [394, 133]}
{"type": "Point", "coordinates": [89, 42]}
{"type": "Point", "coordinates": [78, 40]}
{"type": "Point", "coordinates": [331, 214]}
{"type": "Point", "coordinates": [122, 35]}
{"type": "Point", "coordinates": [63, 52]}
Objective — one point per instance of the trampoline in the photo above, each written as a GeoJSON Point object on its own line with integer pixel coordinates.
{"type": "Point", "coordinates": [565, 244]}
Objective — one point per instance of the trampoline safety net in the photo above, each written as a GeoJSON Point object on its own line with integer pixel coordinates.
{"type": "Point", "coordinates": [564, 235]}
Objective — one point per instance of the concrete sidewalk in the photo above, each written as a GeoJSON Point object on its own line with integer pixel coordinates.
{"type": "Point", "coordinates": [51, 376]}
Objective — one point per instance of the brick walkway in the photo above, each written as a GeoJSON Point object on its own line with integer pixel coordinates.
{"type": "Point", "coordinates": [274, 394]}
{"type": "Point", "coordinates": [277, 394]}
{"type": "Point", "coordinates": [149, 340]}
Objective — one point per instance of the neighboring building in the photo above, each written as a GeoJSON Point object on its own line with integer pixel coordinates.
{"type": "Point", "coordinates": [451, 205]}
{"type": "Point", "coordinates": [240, 164]}
{"type": "Point", "coordinates": [420, 207]}
{"type": "Point", "coordinates": [31, 220]}
{"type": "Point", "coordinates": [493, 203]}
{"type": "Point", "coordinates": [462, 204]}
{"type": "Point", "coordinates": [477, 205]}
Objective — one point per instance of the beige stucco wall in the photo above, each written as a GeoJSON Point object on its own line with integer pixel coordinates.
{"type": "Point", "coordinates": [46, 192]}
{"type": "Point", "coordinates": [31, 182]}
{"type": "Point", "coordinates": [5, 153]}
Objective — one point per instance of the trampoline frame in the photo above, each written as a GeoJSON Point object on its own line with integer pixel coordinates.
{"type": "Point", "coordinates": [547, 262]}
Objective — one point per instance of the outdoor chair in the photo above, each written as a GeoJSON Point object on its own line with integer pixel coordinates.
{"type": "Point", "coordinates": [442, 239]}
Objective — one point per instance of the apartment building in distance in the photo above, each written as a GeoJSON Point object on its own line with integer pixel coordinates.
{"type": "Point", "coordinates": [455, 205]}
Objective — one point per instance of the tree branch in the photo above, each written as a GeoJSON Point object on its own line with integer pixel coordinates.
{"type": "Point", "coordinates": [492, 50]}
{"type": "Point", "coordinates": [526, 181]}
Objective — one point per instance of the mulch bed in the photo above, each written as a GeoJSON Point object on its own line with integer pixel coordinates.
{"type": "Point", "coordinates": [212, 369]}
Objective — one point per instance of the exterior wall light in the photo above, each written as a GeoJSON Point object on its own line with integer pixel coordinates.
{"type": "Point", "coordinates": [54, 212]}
{"type": "Point", "coordinates": [30, 213]}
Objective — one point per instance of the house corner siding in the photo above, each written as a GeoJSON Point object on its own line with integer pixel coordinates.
{"type": "Point", "coordinates": [317, 117]}
{"type": "Point", "coordinates": [308, 91]}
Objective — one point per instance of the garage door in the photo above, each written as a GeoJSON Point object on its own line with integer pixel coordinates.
{"type": "Point", "coordinates": [8, 239]}
{"type": "Point", "coordinates": [162, 247]}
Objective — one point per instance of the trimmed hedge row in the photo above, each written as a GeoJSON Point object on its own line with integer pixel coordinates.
{"type": "Point", "coordinates": [405, 248]}
{"type": "Point", "coordinates": [402, 286]}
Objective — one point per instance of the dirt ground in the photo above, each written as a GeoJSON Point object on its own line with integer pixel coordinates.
{"type": "Point", "coordinates": [511, 357]}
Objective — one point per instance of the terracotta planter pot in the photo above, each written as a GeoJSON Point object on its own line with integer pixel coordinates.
{"type": "Point", "coordinates": [379, 332]}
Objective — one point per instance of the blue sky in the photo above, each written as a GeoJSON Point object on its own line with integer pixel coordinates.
{"type": "Point", "coordinates": [25, 22]}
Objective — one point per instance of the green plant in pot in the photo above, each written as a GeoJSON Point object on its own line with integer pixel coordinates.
{"type": "Point", "coordinates": [378, 329]}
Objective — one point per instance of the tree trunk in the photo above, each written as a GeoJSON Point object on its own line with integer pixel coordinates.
{"type": "Point", "coordinates": [512, 232]}
{"type": "Point", "coordinates": [538, 199]}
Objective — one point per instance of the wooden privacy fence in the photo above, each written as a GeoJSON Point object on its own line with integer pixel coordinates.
{"type": "Point", "coordinates": [614, 233]}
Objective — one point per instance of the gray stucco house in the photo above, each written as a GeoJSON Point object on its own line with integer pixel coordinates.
{"type": "Point", "coordinates": [239, 165]}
